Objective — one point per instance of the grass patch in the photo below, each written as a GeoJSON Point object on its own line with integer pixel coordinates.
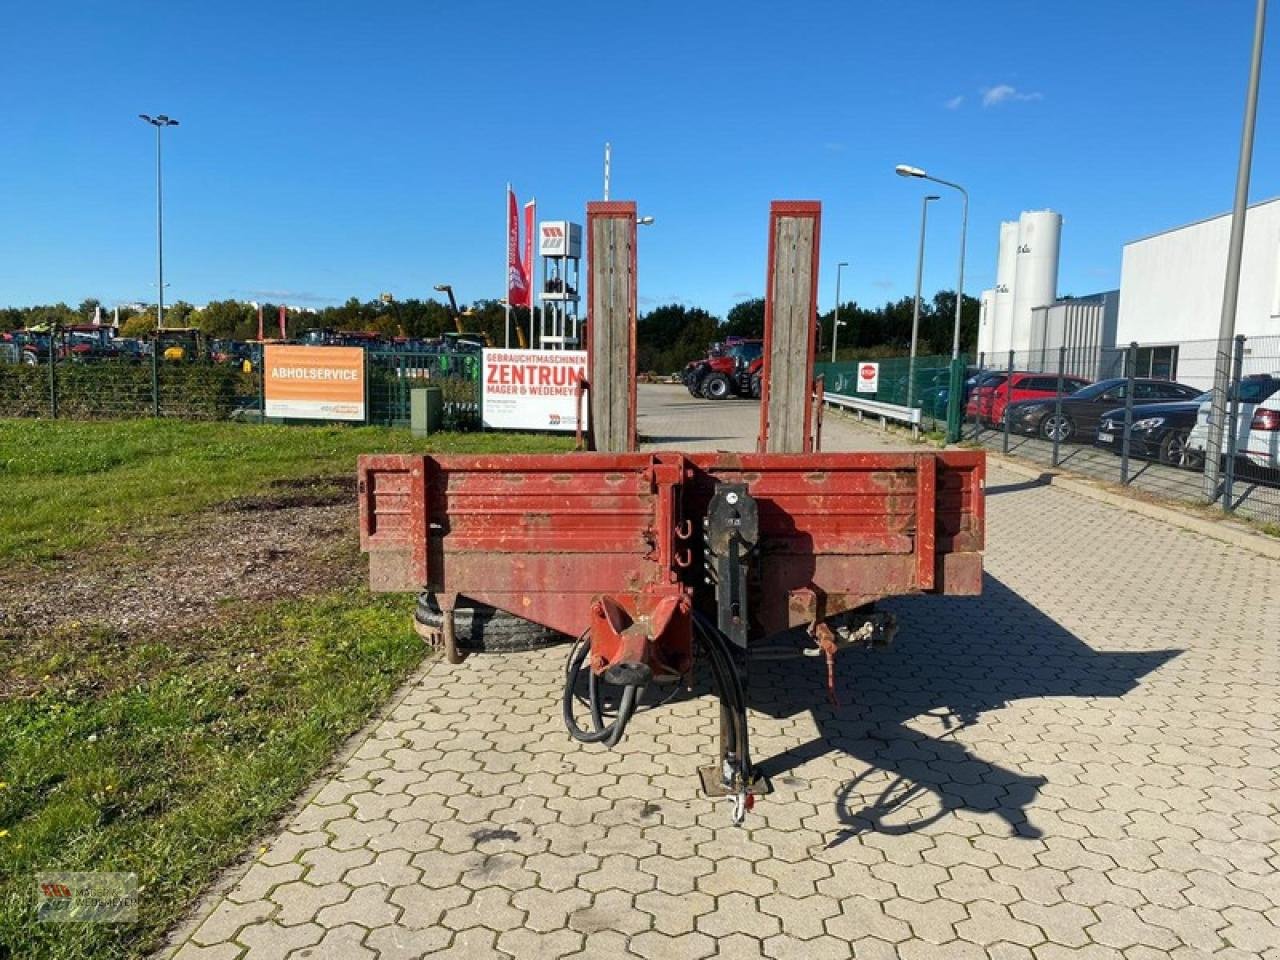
{"type": "Point", "coordinates": [164, 754]}
{"type": "Point", "coordinates": [166, 758]}
{"type": "Point", "coordinates": [72, 485]}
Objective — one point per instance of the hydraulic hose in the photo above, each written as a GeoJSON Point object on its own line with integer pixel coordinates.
{"type": "Point", "coordinates": [608, 734]}
{"type": "Point", "coordinates": [720, 658]}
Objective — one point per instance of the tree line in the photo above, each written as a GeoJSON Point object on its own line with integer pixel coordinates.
{"type": "Point", "coordinates": [667, 336]}
{"type": "Point", "coordinates": [670, 336]}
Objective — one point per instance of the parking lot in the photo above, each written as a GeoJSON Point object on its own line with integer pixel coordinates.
{"type": "Point", "coordinates": [1081, 763]}
{"type": "Point", "coordinates": [1255, 495]}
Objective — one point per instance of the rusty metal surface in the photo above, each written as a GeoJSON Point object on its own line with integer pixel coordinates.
{"type": "Point", "coordinates": [542, 536]}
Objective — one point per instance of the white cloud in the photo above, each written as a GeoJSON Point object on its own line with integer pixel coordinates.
{"type": "Point", "coordinates": [1004, 93]}
{"type": "Point", "coordinates": [954, 103]}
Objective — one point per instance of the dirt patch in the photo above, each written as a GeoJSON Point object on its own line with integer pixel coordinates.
{"type": "Point", "coordinates": [297, 539]}
{"type": "Point", "coordinates": [306, 492]}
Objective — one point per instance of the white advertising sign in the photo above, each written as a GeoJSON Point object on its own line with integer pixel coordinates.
{"type": "Point", "coordinates": [868, 377]}
{"type": "Point", "coordinates": [559, 238]}
{"type": "Point", "coordinates": [533, 389]}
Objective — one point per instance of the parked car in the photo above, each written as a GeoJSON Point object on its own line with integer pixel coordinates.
{"type": "Point", "coordinates": [990, 398]}
{"type": "Point", "coordinates": [1082, 410]}
{"type": "Point", "coordinates": [934, 401]}
{"type": "Point", "coordinates": [1262, 449]}
{"type": "Point", "coordinates": [1253, 391]}
{"type": "Point", "coordinates": [1158, 431]}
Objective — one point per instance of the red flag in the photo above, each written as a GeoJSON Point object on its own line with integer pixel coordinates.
{"type": "Point", "coordinates": [517, 282]}
{"type": "Point", "coordinates": [529, 209]}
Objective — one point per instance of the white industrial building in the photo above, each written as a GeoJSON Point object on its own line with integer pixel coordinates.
{"type": "Point", "coordinates": [1171, 287]}
{"type": "Point", "coordinates": [1169, 301]}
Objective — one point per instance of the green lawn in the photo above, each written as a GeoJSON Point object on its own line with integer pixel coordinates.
{"type": "Point", "coordinates": [69, 485]}
{"type": "Point", "coordinates": [164, 756]}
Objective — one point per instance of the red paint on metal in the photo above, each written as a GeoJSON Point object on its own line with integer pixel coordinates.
{"type": "Point", "coordinates": [545, 536]}
{"type": "Point", "coordinates": [926, 532]}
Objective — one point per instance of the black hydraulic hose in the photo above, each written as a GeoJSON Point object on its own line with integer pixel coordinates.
{"type": "Point", "coordinates": [726, 679]}
{"type": "Point", "coordinates": [721, 682]}
{"type": "Point", "coordinates": [608, 735]}
{"type": "Point", "coordinates": [721, 659]}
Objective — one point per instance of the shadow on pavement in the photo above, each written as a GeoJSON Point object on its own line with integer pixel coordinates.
{"type": "Point", "coordinates": [954, 659]}
{"type": "Point", "coordinates": [1041, 481]}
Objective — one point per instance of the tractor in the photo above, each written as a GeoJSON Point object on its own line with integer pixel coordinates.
{"type": "Point", "coordinates": [730, 369]}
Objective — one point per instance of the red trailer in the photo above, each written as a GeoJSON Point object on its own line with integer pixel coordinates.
{"type": "Point", "coordinates": [654, 559]}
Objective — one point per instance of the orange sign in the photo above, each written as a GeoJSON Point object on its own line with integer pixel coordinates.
{"type": "Point", "coordinates": [314, 383]}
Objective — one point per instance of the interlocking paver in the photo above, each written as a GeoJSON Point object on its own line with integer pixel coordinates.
{"type": "Point", "coordinates": [1075, 766]}
{"type": "Point", "coordinates": [395, 942]}
{"type": "Point", "coordinates": [274, 941]}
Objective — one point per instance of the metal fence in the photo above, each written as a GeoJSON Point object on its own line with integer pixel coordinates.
{"type": "Point", "coordinates": [49, 386]}
{"type": "Point", "coordinates": [922, 384]}
{"type": "Point", "coordinates": [391, 375]}
{"type": "Point", "coordinates": [1138, 415]}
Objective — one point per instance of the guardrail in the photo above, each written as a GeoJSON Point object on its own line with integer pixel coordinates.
{"type": "Point", "coordinates": [876, 408]}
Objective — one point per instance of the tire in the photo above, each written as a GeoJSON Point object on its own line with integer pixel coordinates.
{"type": "Point", "coordinates": [755, 386]}
{"type": "Point", "coordinates": [1175, 452]}
{"type": "Point", "coordinates": [30, 359]}
{"type": "Point", "coordinates": [1063, 426]}
{"type": "Point", "coordinates": [716, 387]}
{"type": "Point", "coordinates": [479, 628]}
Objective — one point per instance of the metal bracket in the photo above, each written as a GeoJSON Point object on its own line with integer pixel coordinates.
{"type": "Point", "coordinates": [731, 530]}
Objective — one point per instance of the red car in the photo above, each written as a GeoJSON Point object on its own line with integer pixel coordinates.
{"type": "Point", "coordinates": [988, 400]}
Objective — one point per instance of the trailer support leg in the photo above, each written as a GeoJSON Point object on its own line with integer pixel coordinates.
{"type": "Point", "coordinates": [448, 629]}
{"type": "Point", "coordinates": [733, 775]}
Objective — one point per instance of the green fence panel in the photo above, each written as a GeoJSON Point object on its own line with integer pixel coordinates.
{"type": "Point", "coordinates": [393, 374]}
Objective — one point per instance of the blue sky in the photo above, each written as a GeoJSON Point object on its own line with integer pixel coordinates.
{"type": "Point", "coordinates": [329, 150]}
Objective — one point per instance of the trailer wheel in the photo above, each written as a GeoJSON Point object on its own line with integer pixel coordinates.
{"type": "Point", "coordinates": [716, 387]}
{"type": "Point", "coordinates": [480, 628]}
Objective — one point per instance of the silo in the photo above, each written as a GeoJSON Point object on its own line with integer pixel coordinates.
{"type": "Point", "coordinates": [1035, 281]}
{"type": "Point", "coordinates": [986, 321]}
{"type": "Point", "coordinates": [1006, 267]}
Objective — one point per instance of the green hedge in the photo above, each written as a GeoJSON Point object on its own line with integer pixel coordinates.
{"type": "Point", "coordinates": [111, 390]}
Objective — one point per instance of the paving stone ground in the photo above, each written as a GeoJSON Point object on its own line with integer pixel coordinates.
{"type": "Point", "coordinates": [1079, 765]}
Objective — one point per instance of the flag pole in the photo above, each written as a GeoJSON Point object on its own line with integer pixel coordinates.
{"type": "Point", "coordinates": [530, 227]}
{"type": "Point", "coordinates": [506, 282]}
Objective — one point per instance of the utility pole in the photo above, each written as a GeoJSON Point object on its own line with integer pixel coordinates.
{"type": "Point", "coordinates": [1231, 291]}
{"type": "Point", "coordinates": [915, 311]}
{"type": "Point", "coordinates": [159, 122]}
{"type": "Point", "coordinates": [835, 326]}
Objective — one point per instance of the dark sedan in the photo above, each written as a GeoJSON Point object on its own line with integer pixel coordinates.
{"type": "Point", "coordinates": [1159, 431]}
{"type": "Point", "coordinates": [1082, 410]}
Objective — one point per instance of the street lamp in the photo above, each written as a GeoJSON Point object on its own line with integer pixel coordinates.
{"type": "Point", "coordinates": [915, 312]}
{"type": "Point", "coordinates": [835, 324]}
{"type": "Point", "coordinates": [906, 171]}
{"type": "Point", "coordinates": [160, 121]}
{"type": "Point", "coordinates": [953, 395]}
{"type": "Point", "coordinates": [644, 221]}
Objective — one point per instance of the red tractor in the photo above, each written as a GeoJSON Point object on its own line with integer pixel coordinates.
{"type": "Point", "coordinates": [730, 369]}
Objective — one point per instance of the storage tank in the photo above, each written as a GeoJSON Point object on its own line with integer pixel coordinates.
{"type": "Point", "coordinates": [1035, 281]}
{"type": "Point", "coordinates": [986, 321]}
{"type": "Point", "coordinates": [1006, 267]}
